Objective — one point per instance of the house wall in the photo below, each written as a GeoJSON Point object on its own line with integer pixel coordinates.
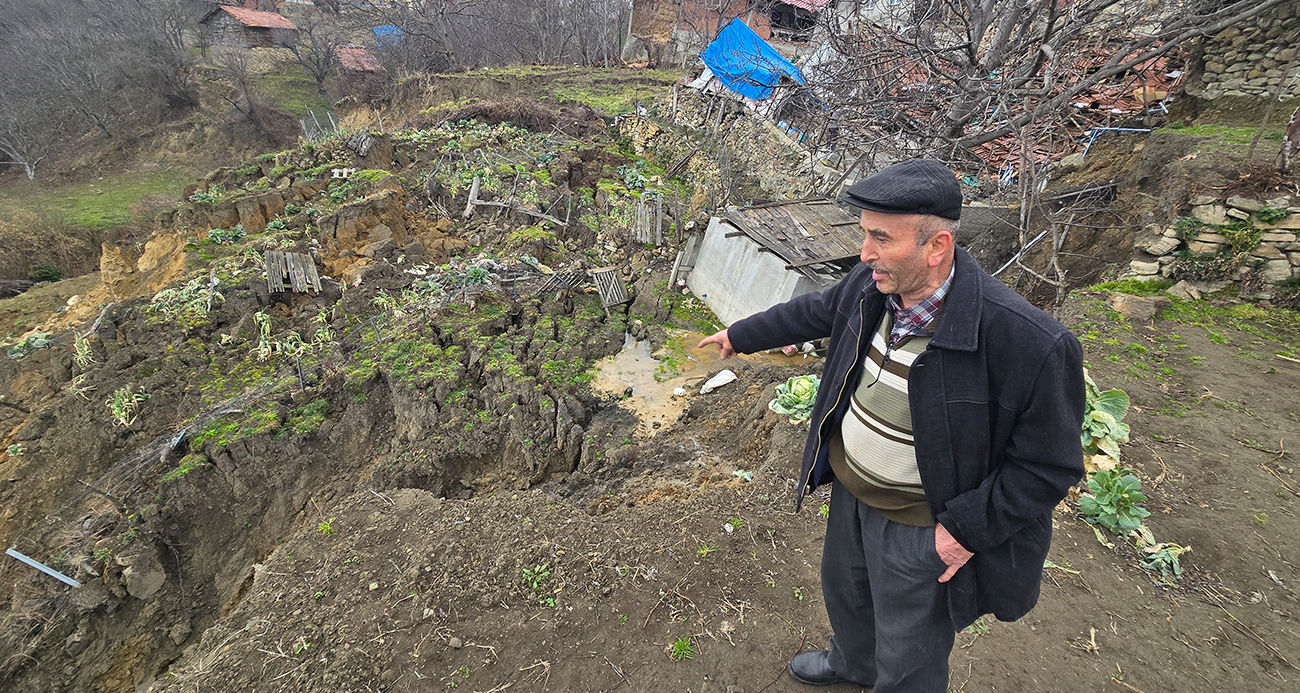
{"type": "Point", "coordinates": [223, 30]}
{"type": "Point", "coordinates": [736, 280]}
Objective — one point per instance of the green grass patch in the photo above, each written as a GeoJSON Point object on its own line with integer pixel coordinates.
{"type": "Point", "coordinates": [1227, 134]}
{"type": "Point", "coordinates": [291, 89]}
{"type": "Point", "coordinates": [307, 418]}
{"type": "Point", "coordinates": [1137, 287]}
{"type": "Point", "coordinates": [96, 205]}
{"type": "Point", "coordinates": [187, 464]}
{"type": "Point", "coordinates": [228, 429]}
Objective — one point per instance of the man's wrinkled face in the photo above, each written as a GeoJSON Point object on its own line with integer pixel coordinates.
{"type": "Point", "coordinates": [898, 264]}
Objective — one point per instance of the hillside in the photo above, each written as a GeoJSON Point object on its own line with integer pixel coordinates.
{"type": "Point", "coordinates": [430, 474]}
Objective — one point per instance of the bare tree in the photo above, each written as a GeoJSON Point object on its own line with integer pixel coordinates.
{"type": "Point", "coordinates": [950, 75]}
{"type": "Point", "coordinates": [314, 50]}
{"type": "Point", "coordinates": [28, 129]}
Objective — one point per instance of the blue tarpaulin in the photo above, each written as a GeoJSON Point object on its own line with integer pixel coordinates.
{"type": "Point", "coordinates": [745, 63]}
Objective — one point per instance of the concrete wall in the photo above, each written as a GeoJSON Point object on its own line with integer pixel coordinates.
{"type": "Point", "coordinates": [735, 280]}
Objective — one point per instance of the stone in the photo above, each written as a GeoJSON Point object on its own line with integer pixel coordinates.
{"type": "Point", "coordinates": [1292, 247]}
{"type": "Point", "coordinates": [1238, 213]}
{"type": "Point", "coordinates": [1139, 308]}
{"type": "Point", "coordinates": [1245, 203]}
{"type": "Point", "coordinates": [455, 643]}
{"type": "Point", "coordinates": [145, 575]}
{"type": "Point", "coordinates": [1267, 251]}
{"type": "Point", "coordinates": [1211, 237]}
{"type": "Point", "coordinates": [1290, 223]}
{"type": "Point", "coordinates": [1277, 237]}
{"type": "Point", "coordinates": [1210, 287]}
{"type": "Point", "coordinates": [1215, 215]}
{"type": "Point", "coordinates": [1275, 271]}
{"type": "Point", "coordinates": [1144, 268]}
{"type": "Point", "coordinates": [1166, 260]}
{"type": "Point", "coordinates": [1203, 248]}
{"type": "Point", "coordinates": [1204, 200]}
{"type": "Point", "coordinates": [1163, 246]}
{"type": "Point", "coordinates": [1184, 290]}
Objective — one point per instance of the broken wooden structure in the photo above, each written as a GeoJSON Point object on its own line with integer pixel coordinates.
{"type": "Point", "coordinates": [753, 258]}
{"type": "Point", "coordinates": [290, 272]}
{"type": "Point", "coordinates": [610, 287]}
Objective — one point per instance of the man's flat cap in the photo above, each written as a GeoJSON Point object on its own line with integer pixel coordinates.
{"type": "Point", "coordinates": [916, 186]}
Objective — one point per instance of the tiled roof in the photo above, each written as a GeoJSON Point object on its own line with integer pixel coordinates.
{"type": "Point", "coordinates": [266, 20]}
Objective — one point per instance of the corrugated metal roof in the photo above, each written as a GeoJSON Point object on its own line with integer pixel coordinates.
{"type": "Point", "coordinates": [256, 18]}
{"type": "Point", "coordinates": [358, 59]}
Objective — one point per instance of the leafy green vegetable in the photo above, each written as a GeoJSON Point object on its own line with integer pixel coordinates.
{"type": "Point", "coordinates": [1102, 429]}
{"type": "Point", "coordinates": [795, 397]}
{"type": "Point", "coordinates": [1115, 499]}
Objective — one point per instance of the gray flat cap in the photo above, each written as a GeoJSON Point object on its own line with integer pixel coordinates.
{"type": "Point", "coordinates": [916, 186]}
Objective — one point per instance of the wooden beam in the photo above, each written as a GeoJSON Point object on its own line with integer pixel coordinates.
{"type": "Point", "coordinates": [814, 261]}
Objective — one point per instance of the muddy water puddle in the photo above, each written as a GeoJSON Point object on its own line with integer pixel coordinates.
{"type": "Point", "coordinates": [653, 377]}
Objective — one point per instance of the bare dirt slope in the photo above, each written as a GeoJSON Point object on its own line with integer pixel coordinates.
{"type": "Point", "coordinates": [408, 591]}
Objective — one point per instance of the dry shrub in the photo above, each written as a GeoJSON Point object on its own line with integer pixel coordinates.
{"type": "Point", "coordinates": [1259, 178]}
{"type": "Point", "coordinates": [27, 239]}
{"type": "Point", "coordinates": [144, 210]}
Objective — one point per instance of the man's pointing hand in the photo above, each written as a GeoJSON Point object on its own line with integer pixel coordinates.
{"type": "Point", "coordinates": [724, 344]}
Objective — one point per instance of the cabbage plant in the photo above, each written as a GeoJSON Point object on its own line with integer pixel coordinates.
{"type": "Point", "coordinates": [795, 397]}
{"type": "Point", "coordinates": [1102, 429]}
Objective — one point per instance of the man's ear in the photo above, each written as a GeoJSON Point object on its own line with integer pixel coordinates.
{"type": "Point", "coordinates": [937, 248]}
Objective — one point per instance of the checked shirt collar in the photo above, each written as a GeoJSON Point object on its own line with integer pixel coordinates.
{"type": "Point", "coordinates": [917, 319]}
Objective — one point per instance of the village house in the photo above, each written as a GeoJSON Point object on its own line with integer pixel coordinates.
{"type": "Point", "coordinates": [359, 71]}
{"type": "Point", "coordinates": [676, 30]}
{"type": "Point", "coordinates": [245, 28]}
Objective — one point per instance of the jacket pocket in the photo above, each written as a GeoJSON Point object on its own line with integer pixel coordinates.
{"type": "Point", "coordinates": [1009, 576]}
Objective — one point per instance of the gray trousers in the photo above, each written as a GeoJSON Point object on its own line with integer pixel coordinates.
{"type": "Point", "coordinates": [888, 610]}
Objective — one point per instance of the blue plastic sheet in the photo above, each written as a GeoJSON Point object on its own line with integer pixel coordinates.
{"type": "Point", "coordinates": [745, 63]}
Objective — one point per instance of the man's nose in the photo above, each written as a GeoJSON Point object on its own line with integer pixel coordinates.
{"type": "Point", "coordinates": [868, 250]}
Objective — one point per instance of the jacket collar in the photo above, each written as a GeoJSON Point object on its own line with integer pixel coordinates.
{"type": "Point", "coordinates": [959, 327]}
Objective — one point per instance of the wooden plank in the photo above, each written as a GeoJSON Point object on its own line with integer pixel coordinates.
{"type": "Point", "coordinates": [814, 261]}
{"type": "Point", "coordinates": [274, 279]}
{"type": "Point", "coordinates": [313, 276]}
{"type": "Point", "coordinates": [295, 272]}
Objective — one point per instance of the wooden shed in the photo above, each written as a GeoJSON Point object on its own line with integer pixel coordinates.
{"type": "Point", "coordinates": [244, 28]}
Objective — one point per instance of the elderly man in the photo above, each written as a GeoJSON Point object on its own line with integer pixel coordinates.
{"type": "Point", "coordinates": [948, 423]}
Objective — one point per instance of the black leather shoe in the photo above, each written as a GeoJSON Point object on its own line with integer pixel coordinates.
{"type": "Point", "coordinates": [814, 669]}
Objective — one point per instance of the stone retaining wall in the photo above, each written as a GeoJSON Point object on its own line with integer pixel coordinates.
{"type": "Point", "coordinates": [1249, 60]}
{"type": "Point", "coordinates": [1166, 252]}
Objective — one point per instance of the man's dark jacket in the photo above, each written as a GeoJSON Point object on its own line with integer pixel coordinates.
{"type": "Point", "coordinates": [997, 404]}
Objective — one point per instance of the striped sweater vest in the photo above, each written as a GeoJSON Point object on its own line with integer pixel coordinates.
{"type": "Point", "coordinates": [872, 454]}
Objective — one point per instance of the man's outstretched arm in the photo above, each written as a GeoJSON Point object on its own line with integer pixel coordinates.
{"type": "Point", "coordinates": [801, 319]}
